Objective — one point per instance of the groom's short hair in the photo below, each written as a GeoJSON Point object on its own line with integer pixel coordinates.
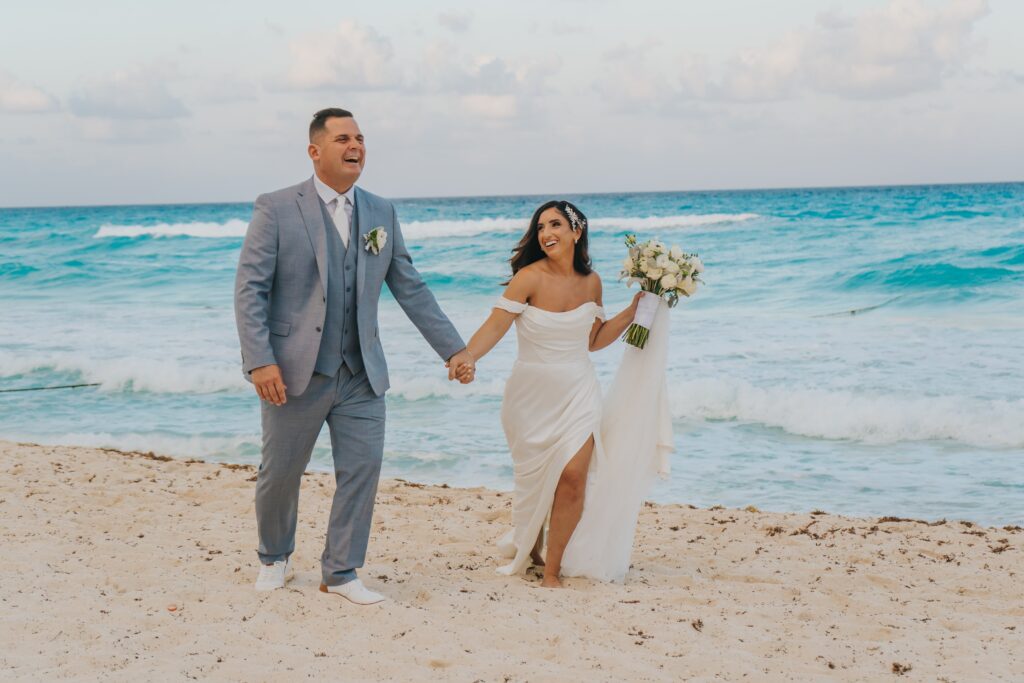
{"type": "Point", "coordinates": [319, 122]}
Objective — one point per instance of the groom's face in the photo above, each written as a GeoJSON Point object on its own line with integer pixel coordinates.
{"type": "Point", "coordinates": [339, 153]}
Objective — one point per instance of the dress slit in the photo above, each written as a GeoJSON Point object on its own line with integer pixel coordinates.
{"type": "Point", "coordinates": [536, 528]}
{"type": "Point", "coordinates": [551, 507]}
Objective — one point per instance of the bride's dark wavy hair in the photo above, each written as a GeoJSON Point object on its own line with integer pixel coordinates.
{"type": "Point", "coordinates": [528, 250]}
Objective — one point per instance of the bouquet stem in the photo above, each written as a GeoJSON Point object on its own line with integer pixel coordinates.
{"type": "Point", "coordinates": [636, 335]}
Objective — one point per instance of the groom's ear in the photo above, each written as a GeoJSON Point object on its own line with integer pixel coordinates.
{"type": "Point", "coordinates": [313, 151]}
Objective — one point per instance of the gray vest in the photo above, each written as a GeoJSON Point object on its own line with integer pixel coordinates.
{"type": "Point", "coordinates": [340, 341]}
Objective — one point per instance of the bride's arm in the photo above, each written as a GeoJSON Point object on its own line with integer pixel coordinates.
{"type": "Point", "coordinates": [500, 320]}
{"type": "Point", "coordinates": [604, 333]}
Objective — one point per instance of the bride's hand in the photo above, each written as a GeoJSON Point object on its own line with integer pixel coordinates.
{"type": "Point", "coordinates": [636, 301]}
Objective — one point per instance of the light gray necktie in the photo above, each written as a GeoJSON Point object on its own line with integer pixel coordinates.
{"type": "Point", "coordinates": [342, 218]}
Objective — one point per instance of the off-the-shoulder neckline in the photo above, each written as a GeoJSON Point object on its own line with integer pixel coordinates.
{"type": "Point", "coordinates": [544, 310]}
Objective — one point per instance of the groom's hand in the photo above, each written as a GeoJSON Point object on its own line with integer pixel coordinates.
{"type": "Point", "coordinates": [461, 366]}
{"type": "Point", "coordinates": [269, 384]}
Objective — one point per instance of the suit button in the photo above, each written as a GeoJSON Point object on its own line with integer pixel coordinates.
{"type": "Point", "coordinates": [318, 329]}
{"type": "Point", "coordinates": [348, 267]}
{"type": "Point", "coordinates": [348, 289]}
{"type": "Point", "coordinates": [325, 298]}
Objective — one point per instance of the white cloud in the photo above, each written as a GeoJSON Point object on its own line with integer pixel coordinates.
{"type": "Point", "coordinates": [444, 69]}
{"type": "Point", "coordinates": [359, 58]}
{"type": "Point", "coordinates": [901, 48]}
{"type": "Point", "coordinates": [768, 74]}
{"type": "Point", "coordinates": [352, 56]}
{"type": "Point", "coordinates": [491, 106]}
{"type": "Point", "coordinates": [139, 93]}
{"type": "Point", "coordinates": [228, 89]}
{"type": "Point", "coordinates": [630, 76]}
{"type": "Point", "coordinates": [457, 22]}
{"type": "Point", "coordinates": [17, 97]}
{"type": "Point", "coordinates": [487, 88]}
{"type": "Point", "coordinates": [130, 131]}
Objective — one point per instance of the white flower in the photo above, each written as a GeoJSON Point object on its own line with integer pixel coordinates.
{"type": "Point", "coordinates": [654, 273]}
{"type": "Point", "coordinates": [676, 252]}
{"type": "Point", "coordinates": [687, 286]}
{"type": "Point", "coordinates": [648, 252]}
{"type": "Point", "coordinates": [697, 264]}
{"type": "Point", "coordinates": [627, 264]}
{"type": "Point", "coordinates": [662, 261]}
{"type": "Point", "coordinates": [672, 267]}
{"type": "Point", "coordinates": [375, 240]}
{"type": "Point", "coordinates": [668, 282]}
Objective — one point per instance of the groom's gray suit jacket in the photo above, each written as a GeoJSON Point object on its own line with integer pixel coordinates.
{"type": "Point", "coordinates": [281, 286]}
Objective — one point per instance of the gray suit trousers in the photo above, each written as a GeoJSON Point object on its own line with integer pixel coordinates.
{"type": "Point", "coordinates": [355, 415]}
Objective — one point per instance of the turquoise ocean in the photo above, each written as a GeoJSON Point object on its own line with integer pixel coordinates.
{"type": "Point", "coordinates": [855, 350]}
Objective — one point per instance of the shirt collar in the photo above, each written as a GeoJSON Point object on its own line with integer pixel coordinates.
{"type": "Point", "coordinates": [328, 194]}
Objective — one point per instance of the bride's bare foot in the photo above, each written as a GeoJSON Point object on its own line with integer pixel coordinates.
{"type": "Point", "coordinates": [550, 581]}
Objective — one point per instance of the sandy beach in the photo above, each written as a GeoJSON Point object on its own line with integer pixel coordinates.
{"type": "Point", "coordinates": [135, 566]}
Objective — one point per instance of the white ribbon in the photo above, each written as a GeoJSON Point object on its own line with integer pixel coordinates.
{"type": "Point", "coordinates": [645, 310]}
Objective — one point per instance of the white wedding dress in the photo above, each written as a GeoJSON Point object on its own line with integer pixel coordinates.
{"type": "Point", "coordinates": [552, 405]}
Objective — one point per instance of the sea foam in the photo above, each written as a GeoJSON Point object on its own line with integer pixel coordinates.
{"type": "Point", "coordinates": [233, 228]}
{"type": "Point", "coordinates": [866, 417]}
{"type": "Point", "coordinates": [132, 375]}
{"type": "Point", "coordinates": [236, 228]}
{"type": "Point", "coordinates": [818, 412]}
{"type": "Point", "coordinates": [174, 376]}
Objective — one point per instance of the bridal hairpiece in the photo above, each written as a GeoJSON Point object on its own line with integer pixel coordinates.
{"type": "Point", "coordinates": [577, 220]}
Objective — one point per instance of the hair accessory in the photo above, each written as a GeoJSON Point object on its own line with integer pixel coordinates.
{"type": "Point", "coordinates": [577, 220]}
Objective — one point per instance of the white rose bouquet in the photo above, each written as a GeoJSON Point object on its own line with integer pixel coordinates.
{"type": "Point", "coordinates": [665, 272]}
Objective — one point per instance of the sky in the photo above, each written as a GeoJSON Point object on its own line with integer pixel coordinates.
{"type": "Point", "coordinates": [115, 102]}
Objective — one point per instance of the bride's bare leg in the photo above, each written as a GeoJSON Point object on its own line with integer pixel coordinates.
{"type": "Point", "coordinates": [566, 511]}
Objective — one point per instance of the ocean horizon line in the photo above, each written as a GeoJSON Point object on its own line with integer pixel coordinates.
{"type": "Point", "coordinates": [737, 190]}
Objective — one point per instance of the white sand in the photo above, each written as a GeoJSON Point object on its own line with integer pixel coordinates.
{"type": "Point", "coordinates": [100, 545]}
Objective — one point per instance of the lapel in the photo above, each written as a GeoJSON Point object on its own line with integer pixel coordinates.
{"type": "Point", "coordinates": [313, 217]}
{"type": "Point", "coordinates": [363, 223]}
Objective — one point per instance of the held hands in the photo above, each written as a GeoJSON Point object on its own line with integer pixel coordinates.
{"type": "Point", "coordinates": [269, 384]}
{"type": "Point", "coordinates": [462, 366]}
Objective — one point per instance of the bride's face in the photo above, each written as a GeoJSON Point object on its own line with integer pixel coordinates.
{"type": "Point", "coordinates": [555, 235]}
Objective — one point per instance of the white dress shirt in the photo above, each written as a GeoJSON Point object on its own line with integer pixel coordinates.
{"type": "Point", "coordinates": [331, 199]}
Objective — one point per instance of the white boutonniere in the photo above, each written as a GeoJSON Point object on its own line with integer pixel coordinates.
{"type": "Point", "coordinates": [375, 240]}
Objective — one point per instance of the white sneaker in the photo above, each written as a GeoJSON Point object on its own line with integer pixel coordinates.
{"type": "Point", "coordinates": [274, 576]}
{"type": "Point", "coordinates": [354, 591]}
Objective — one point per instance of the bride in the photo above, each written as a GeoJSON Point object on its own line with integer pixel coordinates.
{"type": "Point", "coordinates": [552, 407]}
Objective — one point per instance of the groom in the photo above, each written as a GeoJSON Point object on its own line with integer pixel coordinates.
{"type": "Point", "coordinates": [306, 292]}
